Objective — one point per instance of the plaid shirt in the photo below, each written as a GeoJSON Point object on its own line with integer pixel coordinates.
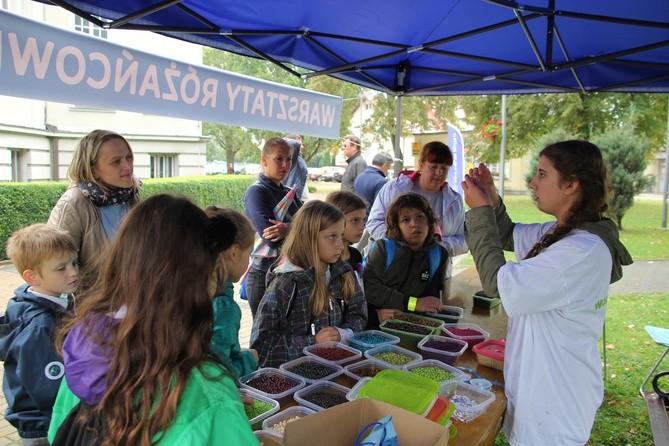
{"type": "Point", "coordinates": [282, 327]}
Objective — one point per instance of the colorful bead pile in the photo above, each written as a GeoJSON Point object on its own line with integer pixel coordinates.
{"type": "Point", "coordinates": [332, 353]}
{"type": "Point", "coordinates": [370, 338]}
{"type": "Point", "coordinates": [433, 373]}
{"type": "Point", "coordinates": [367, 371]}
{"type": "Point", "coordinates": [408, 328]}
{"type": "Point", "coordinates": [464, 331]}
{"type": "Point", "coordinates": [325, 399]}
{"type": "Point", "coordinates": [444, 346]}
{"type": "Point", "coordinates": [257, 408]}
{"type": "Point", "coordinates": [416, 320]}
{"type": "Point", "coordinates": [272, 384]}
{"type": "Point", "coordinates": [311, 370]}
{"type": "Point", "coordinates": [393, 358]}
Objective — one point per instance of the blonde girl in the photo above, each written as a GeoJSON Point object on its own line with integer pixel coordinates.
{"type": "Point", "coordinates": [230, 266]}
{"type": "Point", "coordinates": [312, 294]}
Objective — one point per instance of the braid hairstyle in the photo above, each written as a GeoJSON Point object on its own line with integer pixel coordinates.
{"type": "Point", "coordinates": [581, 161]}
{"type": "Point", "coordinates": [301, 249]}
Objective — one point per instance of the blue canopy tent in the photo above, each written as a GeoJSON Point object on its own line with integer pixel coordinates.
{"type": "Point", "coordinates": [425, 47]}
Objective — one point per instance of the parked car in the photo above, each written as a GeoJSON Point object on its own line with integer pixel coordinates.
{"type": "Point", "coordinates": [314, 173]}
{"type": "Point", "coordinates": [332, 174]}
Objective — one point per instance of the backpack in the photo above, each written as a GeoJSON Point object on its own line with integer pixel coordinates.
{"type": "Point", "coordinates": [434, 255]}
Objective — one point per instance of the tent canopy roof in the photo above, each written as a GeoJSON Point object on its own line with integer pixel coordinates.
{"type": "Point", "coordinates": [425, 47]}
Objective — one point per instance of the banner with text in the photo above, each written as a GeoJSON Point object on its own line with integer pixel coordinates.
{"type": "Point", "coordinates": [456, 174]}
{"type": "Point", "coordinates": [38, 61]}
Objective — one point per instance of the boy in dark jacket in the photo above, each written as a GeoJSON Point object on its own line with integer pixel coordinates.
{"type": "Point", "coordinates": [46, 257]}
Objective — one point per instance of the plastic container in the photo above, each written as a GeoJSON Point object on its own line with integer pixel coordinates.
{"type": "Point", "coordinates": [481, 383]}
{"type": "Point", "coordinates": [470, 401]}
{"type": "Point", "coordinates": [275, 406]}
{"type": "Point", "coordinates": [490, 353]}
{"type": "Point", "coordinates": [367, 368]}
{"type": "Point", "coordinates": [265, 377]}
{"type": "Point", "coordinates": [414, 318]}
{"type": "Point", "coordinates": [481, 300]}
{"type": "Point", "coordinates": [321, 395]}
{"type": "Point", "coordinates": [267, 435]}
{"type": "Point", "coordinates": [452, 330]}
{"type": "Point", "coordinates": [337, 352]}
{"type": "Point", "coordinates": [369, 339]}
{"type": "Point", "coordinates": [396, 352]}
{"type": "Point", "coordinates": [448, 313]}
{"type": "Point", "coordinates": [445, 385]}
{"type": "Point", "coordinates": [402, 389]}
{"type": "Point", "coordinates": [442, 348]}
{"type": "Point", "coordinates": [440, 412]}
{"type": "Point", "coordinates": [406, 337]}
{"type": "Point", "coordinates": [312, 369]}
{"type": "Point", "coordinates": [276, 423]}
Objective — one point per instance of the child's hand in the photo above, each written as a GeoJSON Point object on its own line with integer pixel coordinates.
{"type": "Point", "coordinates": [327, 334]}
{"type": "Point", "coordinates": [246, 399]}
{"type": "Point", "coordinates": [276, 232]}
{"type": "Point", "coordinates": [428, 304]}
{"type": "Point", "coordinates": [386, 313]}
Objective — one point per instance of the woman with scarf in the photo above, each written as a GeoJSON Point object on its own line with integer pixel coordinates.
{"type": "Point", "coordinates": [102, 190]}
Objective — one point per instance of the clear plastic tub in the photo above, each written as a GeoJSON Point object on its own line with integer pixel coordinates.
{"type": "Point", "coordinates": [268, 378]}
{"type": "Point", "coordinates": [442, 348]}
{"type": "Point", "coordinates": [490, 353]}
{"type": "Point", "coordinates": [335, 352]}
{"type": "Point", "coordinates": [275, 406]}
{"type": "Point", "coordinates": [418, 319]}
{"type": "Point", "coordinates": [312, 369]}
{"type": "Point", "coordinates": [448, 313]}
{"type": "Point", "coordinates": [445, 385]}
{"type": "Point", "coordinates": [369, 339]}
{"type": "Point", "coordinates": [321, 395]}
{"type": "Point", "coordinates": [367, 368]}
{"type": "Point", "coordinates": [470, 401]}
{"type": "Point", "coordinates": [379, 354]}
{"type": "Point", "coordinates": [453, 330]}
{"type": "Point", "coordinates": [267, 435]}
{"type": "Point", "coordinates": [277, 422]}
{"type": "Point", "coordinates": [409, 334]}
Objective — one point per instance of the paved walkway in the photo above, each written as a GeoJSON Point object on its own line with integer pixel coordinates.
{"type": "Point", "coordinates": [640, 277]}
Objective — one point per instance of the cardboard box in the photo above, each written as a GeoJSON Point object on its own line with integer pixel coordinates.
{"type": "Point", "coordinates": [340, 425]}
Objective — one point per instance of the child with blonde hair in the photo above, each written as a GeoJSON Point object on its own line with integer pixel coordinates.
{"type": "Point", "coordinates": [230, 266]}
{"type": "Point", "coordinates": [46, 258]}
{"type": "Point", "coordinates": [312, 295]}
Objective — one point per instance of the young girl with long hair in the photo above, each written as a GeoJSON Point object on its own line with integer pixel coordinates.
{"type": "Point", "coordinates": [355, 212]}
{"type": "Point", "coordinates": [138, 352]}
{"type": "Point", "coordinates": [260, 206]}
{"type": "Point", "coordinates": [230, 266]}
{"type": "Point", "coordinates": [555, 294]}
{"type": "Point", "coordinates": [414, 279]}
{"type": "Point", "coordinates": [312, 294]}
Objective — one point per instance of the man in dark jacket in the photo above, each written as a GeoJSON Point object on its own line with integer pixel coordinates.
{"type": "Point", "coordinates": [298, 169]}
{"type": "Point", "coordinates": [356, 163]}
{"type": "Point", "coordinates": [372, 179]}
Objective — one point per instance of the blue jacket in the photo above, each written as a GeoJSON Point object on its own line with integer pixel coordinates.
{"type": "Point", "coordinates": [225, 337]}
{"type": "Point", "coordinates": [368, 184]}
{"type": "Point", "coordinates": [259, 202]}
{"type": "Point", "coordinates": [33, 369]}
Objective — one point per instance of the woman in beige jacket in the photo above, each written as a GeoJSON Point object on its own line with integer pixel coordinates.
{"type": "Point", "coordinates": [102, 190]}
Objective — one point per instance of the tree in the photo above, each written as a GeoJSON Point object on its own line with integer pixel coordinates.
{"type": "Point", "coordinates": [229, 141]}
{"type": "Point", "coordinates": [625, 153]}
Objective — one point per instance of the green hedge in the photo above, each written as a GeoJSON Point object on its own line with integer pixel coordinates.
{"type": "Point", "coordinates": [22, 204]}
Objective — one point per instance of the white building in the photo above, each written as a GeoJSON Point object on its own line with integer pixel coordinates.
{"type": "Point", "coordinates": [37, 138]}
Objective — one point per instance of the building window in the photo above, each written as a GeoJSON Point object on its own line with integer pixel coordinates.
{"type": "Point", "coordinates": [84, 26]}
{"type": "Point", "coordinates": [18, 164]}
{"type": "Point", "coordinates": [163, 166]}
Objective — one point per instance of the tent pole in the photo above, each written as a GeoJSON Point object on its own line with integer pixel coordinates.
{"type": "Point", "coordinates": [666, 175]}
{"type": "Point", "coordinates": [398, 131]}
{"type": "Point", "coordinates": [502, 149]}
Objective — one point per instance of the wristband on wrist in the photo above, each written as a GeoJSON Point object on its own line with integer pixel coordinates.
{"type": "Point", "coordinates": [411, 305]}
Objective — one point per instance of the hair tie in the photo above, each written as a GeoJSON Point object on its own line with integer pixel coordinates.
{"type": "Point", "coordinates": [220, 233]}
